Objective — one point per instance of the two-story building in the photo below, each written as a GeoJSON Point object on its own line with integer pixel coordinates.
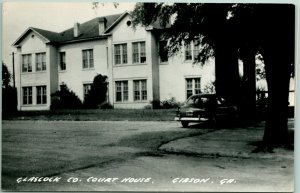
{"type": "Point", "coordinates": [134, 60]}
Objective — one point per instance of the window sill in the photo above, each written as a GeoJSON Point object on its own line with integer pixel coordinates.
{"type": "Point", "coordinates": [36, 72]}
{"type": "Point", "coordinates": [140, 101]}
{"type": "Point", "coordinates": [34, 105]}
{"type": "Point", "coordinates": [122, 102]}
{"type": "Point", "coordinates": [62, 71]}
{"type": "Point", "coordinates": [164, 63]}
{"type": "Point", "coordinates": [130, 102]}
{"type": "Point", "coordinates": [88, 69]}
{"type": "Point", "coordinates": [135, 64]}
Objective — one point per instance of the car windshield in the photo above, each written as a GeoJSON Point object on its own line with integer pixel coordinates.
{"type": "Point", "coordinates": [196, 101]}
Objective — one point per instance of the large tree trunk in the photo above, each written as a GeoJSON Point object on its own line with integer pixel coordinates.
{"type": "Point", "coordinates": [226, 69]}
{"type": "Point", "coordinates": [278, 53]}
{"type": "Point", "coordinates": [278, 77]}
{"type": "Point", "coordinates": [248, 86]}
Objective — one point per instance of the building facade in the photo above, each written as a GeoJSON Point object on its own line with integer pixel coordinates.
{"type": "Point", "coordinates": [134, 60]}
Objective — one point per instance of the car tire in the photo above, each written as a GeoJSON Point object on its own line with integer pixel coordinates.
{"type": "Point", "coordinates": [184, 123]}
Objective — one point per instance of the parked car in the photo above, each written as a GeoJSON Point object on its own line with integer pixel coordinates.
{"type": "Point", "coordinates": [204, 107]}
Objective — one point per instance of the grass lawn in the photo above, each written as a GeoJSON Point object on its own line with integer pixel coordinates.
{"type": "Point", "coordinates": [96, 115]}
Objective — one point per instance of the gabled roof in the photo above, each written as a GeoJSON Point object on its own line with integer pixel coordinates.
{"type": "Point", "coordinates": [47, 36]}
{"type": "Point", "coordinates": [88, 30]}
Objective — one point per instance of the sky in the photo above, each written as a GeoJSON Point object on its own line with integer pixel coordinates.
{"type": "Point", "coordinates": [56, 16]}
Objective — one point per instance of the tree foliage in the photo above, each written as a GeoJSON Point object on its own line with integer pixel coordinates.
{"type": "Point", "coordinates": [9, 94]}
{"type": "Point", "coordinates": [97, 94]}
{"type": "Point", "coordinates": [6, 76]}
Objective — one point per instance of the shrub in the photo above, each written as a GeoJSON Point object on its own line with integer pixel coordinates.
{"type": "Point", "coordinates": [105, 105]}
{"type": "Point", "coordinates": [170, 103]}
{"type": "Point", "coordinates": [65, 99]}
{"type": "Point", "coordinates": [156, 104]}
{"type": "Point", "coordinates": [97, 94]}
{"type": "Point", "coordinates": [165, 104]}
{"type": "Point", "coordinates": [148, 107]}
{"type": "Point", "coordinates": [9, 100]}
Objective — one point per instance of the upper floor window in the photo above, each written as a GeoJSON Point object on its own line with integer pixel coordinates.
{"type": "Point", "coordinates": [193, 86]}
{"type": "Point", "coordinates": [41, 95]}
{"type": "Point", "coordinates": [62, 60]}
{"type": "Point", "coordinates": [87, 59]}
{"type": "Point", "coordinates": [26, 63]}
{"type": "Point", "coordinates": [40, 61]}
{"type": "Point", "coordinates": [140, 90]}
{"type": "Point", "coordinates": [192, 51]}
{"type": "Point", "coordinates": [139, 52]}
{"type": "Point", "coordinates": [121, 54]}
{"type": "Point", "coordinates": [196, 50]}
{"type": "Point", "coordinates": [163, 51]}
{"type": "Point", "coordinates": [86, 89]}
{"type": "Point", "coordinates": [188, 52]}
{"type": "Point", "coordinates": [27, 95]}
{"type": "Point", "coordinates": [121, 91]}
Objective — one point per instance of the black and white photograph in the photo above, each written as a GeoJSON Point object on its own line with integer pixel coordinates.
{"type": "Point", "coordinates": [148, 96]}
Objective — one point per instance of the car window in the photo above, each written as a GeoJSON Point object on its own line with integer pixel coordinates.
{"type": "Point", "coordinates": [198, 101]}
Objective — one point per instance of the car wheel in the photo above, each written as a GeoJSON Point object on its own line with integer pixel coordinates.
{"type": "Point", "coordinates": [184, 123]}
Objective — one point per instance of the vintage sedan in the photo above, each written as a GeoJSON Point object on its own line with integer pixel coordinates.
{"type": "Point", "coordinates": [204, 107]}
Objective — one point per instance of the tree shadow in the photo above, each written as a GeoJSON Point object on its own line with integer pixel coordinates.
{"type": "Point", "coordinates": [262, 147]}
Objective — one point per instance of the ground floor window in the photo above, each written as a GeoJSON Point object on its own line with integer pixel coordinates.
{"type": "Point", "coordinates": [27, 95]}
{"type": "Point", "coordinates": [140, 90]}
{"type": "Point", "coordinates": [41, 95]}
{"type": "Point", "coordinates": [121, 91]}
{"type": "Point", "coordinates": [193, 86]}
{"type": "Point", "coordinates": [86, 89]}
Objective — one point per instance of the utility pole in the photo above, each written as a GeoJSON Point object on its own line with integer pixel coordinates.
{"type": "Point", "coordinates": [13, 63]}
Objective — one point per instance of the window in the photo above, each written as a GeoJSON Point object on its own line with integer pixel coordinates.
{"type": "Point", "coordinates": [62, 60]}
{"type": "Point", "coordinates": [188, 52]}
{"type": "Point", "coordinates": [192, 51]}
{"type": "Point", "coordinates": [121, 54]}
{"type": "Point", "coordinates": [40, 61]}
{"type": "Point", "coordinates": [41, 95]}
{"type": "Point", "coordinates": [140, 90]}
{"type": "Point", "coordinates": [121, 91]}
{"type": "Point", "coordinates": [193, 86]}
{"type": "Point", "coordinates": [87, 59]}
{"type": "Point", "coordinates": [27, 95]}
{"type": "Point", "coordinates": [163, 51]}
{"type": "Point", "coordinates": [196, 51]}
{"type": "Point", "coordinates": [26, 63]}
{"type": "Point", "coordinates": [86, 89]}
{"type": "Point", "coordinates": [139, 52]}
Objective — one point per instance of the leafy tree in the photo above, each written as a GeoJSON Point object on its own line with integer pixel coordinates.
{"type": "Point", "coordinates": [231, 31]}
{"type": "Point", "coordinates": [6, 76]}
{"type": "Point", "coordinates": [65, 99]}
{"type": "Point", "coordinates": [97, 94]}
{"type": "Point", "coordinates": [9, 94]}
{"type": "Point", "coordinates": [210, 87]}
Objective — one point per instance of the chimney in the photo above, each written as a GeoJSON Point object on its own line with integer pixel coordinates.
{"type": "Point", "coordinates": [102, 25]}
{"type": "Point", "coordinates": [76, 30]}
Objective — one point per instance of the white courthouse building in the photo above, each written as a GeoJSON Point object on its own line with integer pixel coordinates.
{"type": "Point", "coordinates": [137, 73]}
